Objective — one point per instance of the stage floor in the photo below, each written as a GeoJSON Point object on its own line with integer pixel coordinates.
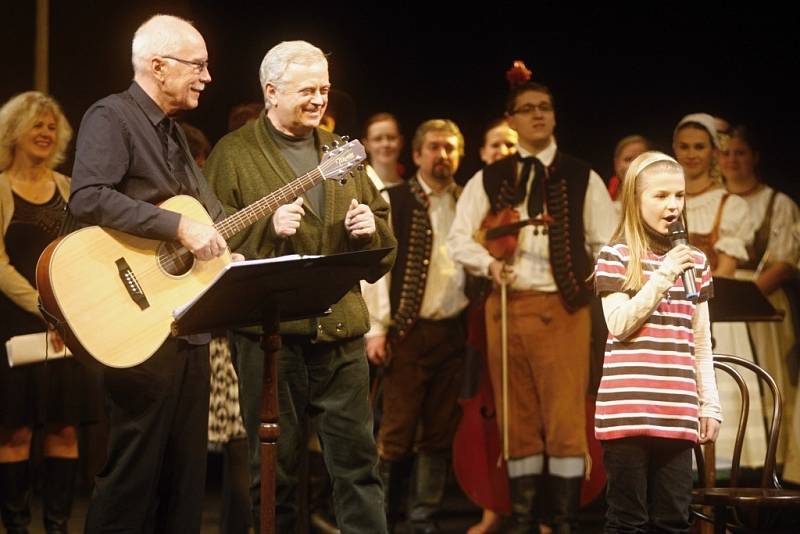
{"type": "Point", "coordinates": [458, 515]}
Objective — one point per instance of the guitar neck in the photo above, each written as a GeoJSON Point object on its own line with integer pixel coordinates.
{"type": "Point", "coordinates": [267, 205]}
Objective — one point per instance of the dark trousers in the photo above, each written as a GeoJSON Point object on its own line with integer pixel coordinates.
{"type": "Point", "coordinates": [420, 389]}
{"type": "Point", "coordinates": [327, 383]}
{"type": "Point", "coordinates": [649, 484]}
{"type": "Point", "coordinates": [154, 477]}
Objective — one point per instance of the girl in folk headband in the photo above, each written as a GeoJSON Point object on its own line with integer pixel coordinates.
{"type": "Point", "coordinates": [719, 225]}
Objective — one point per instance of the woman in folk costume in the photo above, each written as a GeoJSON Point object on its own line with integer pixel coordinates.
{"type": "Point", "coordinates": [771, 265]}
{"type": "Point", "coordinates": [718, 224]}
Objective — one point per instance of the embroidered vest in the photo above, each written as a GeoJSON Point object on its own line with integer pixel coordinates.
{"type": "Point", "coordinates": [414, 233]}
{"type": "Point", "coordinates": [565, 193]}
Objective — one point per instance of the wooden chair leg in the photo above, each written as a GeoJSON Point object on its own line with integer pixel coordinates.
{"type": "Point", "coordinates": [705, 526]}
{"type": "Point", "coordinates": [720, 519]}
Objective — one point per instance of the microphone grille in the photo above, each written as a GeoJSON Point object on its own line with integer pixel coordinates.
{"type": "Point", "coordinates": [676, 229]}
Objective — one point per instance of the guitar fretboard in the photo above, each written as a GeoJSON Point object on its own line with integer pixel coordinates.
{"type": "Point", "coordinates": [267, 205]}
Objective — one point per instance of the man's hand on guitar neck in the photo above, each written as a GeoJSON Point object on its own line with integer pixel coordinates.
{"type": "Point", "coordinates": [200, 239]}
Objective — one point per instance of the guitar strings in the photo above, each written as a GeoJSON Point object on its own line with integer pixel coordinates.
{"type": "Point", "coordinates": [240, 220]}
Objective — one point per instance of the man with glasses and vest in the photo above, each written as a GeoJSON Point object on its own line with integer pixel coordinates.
{"type": "Point", "coordinates": [548, 313]}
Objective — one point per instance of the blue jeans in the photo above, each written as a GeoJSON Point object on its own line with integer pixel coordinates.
{"type": "Point", "coordinates": [649, 484]}
{"type": "Point", "coordinates": [328, 384]}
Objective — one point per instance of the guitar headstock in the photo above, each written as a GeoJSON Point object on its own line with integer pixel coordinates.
{"type": "Point", "coordinates": [341, 159]}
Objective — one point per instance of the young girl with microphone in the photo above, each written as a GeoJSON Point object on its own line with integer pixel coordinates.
{"type": "Point", "coordinates": [658, 395]}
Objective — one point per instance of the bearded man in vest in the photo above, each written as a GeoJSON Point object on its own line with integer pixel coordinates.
{"type": "Point", "coordinates": [426, 331]}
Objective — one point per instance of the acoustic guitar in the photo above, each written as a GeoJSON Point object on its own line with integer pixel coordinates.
{"type": "Point", "coordinates": [112, 294]}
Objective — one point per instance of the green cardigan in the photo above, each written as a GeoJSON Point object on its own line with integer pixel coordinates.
{"type": "Point", "coordinates": [245, 166]}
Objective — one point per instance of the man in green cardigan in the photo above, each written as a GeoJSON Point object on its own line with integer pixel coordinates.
{"type": "Point", "coordinates": [322, 367]}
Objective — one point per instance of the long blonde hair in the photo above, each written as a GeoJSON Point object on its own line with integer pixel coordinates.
{"type": "Point", "coordinates": [631, 229]}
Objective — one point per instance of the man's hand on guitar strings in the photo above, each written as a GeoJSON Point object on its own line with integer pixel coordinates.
{"type": "Point", "coordinates": [201, 239]}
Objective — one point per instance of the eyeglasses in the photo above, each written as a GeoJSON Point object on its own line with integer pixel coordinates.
{"type": "Point", "coordinates": [527, 109]}
{"type": "Point", "coordinates": [197, 66]}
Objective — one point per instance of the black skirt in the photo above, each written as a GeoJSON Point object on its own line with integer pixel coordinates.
{"type": "Point", "coordinates": [61, 391]}
{"type": "Point", "coordinates": [57, 392]}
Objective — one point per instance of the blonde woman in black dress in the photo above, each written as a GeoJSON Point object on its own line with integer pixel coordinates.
{"type": "Point", "coordinates": [48, 397]}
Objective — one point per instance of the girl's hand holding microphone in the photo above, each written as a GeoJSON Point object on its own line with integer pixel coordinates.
{"type": "Point", "coordinates": [677, 260]}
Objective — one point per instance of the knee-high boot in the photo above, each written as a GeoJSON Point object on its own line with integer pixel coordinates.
{"type": "Point", "coordinates": [15, 496]}
{"type": "Point", "coordinates": [59, 487]}
{"type": "Point", "coordinates": [395, 475]}
{"type": "Point", "coordinates": [431, 478]}
{"type": "Point", "coordinates": [565, 501]}
{"type": "Point", "coordinates": [526, 499]}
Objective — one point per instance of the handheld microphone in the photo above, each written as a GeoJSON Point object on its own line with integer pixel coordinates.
{"type": "Point", "coordinates": [677, 236]}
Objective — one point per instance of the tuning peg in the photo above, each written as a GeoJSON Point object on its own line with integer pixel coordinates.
{"type": "Point", "coordinates": [360, 167]}
{"type": "Point", "coordinates": [325, 148]}
{"type": "Point", "coordinates": [343, 180]}
{"type": "Point", "coordinates": [335, 144]}
{"type": "Point", "coordinates": [345, 138]}
{"type": "Point", "coordinates": [352, 174]}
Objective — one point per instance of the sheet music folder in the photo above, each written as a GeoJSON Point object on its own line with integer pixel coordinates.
{"type": "Point", "coordinates": [297, 286]}
{"type": "Point", "coordinates": [740, 300]}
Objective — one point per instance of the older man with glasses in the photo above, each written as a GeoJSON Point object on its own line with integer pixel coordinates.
{"type": "Point", "coordinates": [131, 155]}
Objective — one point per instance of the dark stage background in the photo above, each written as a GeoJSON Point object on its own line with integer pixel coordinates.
{"type": "Point", "coordinates": [421, 62]}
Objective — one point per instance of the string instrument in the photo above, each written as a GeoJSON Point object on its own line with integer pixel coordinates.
{"type": "Point", "coordinates": [477, 456]}
{"type": "Point", "coordinates": [499, 231]}
{"type": "Point", "coordinates": [112, 294]}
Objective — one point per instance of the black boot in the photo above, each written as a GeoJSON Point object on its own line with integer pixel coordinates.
{"type": "Point", "coordinates": [395, 476]}
{"type": "Point", "coordinates": [565, 501]}
{"type": "Point", "coordinates": [526, 497]}
{"type": "Point", "coordinates": [14, 497]}
{"type": "Point", "coordinates": [431, 478]}
{"type": "Point", "coordinates": [59, 486]}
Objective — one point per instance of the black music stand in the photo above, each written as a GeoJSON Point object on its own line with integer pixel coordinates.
{"type": "Point", "coordinates": [265, 292]}
{"type": "Point", "coordinates": [740, 301]}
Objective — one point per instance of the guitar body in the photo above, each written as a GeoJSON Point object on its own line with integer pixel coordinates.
{"type": "Point", "coordinates": [114, 293]}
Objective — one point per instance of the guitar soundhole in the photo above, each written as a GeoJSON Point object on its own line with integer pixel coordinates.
{"type": "Point", "coordinates": [174, 259]}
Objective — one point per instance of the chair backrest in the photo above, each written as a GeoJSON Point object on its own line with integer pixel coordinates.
{"type": "Point", "coordinates": [732, 366]}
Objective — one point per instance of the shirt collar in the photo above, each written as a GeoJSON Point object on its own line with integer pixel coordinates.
{"type": "Point", "coordinates": [546, 156]}
{"type": "Point", "coordinates": [427, 189]}
{"type": "Point", "coordinates": [154, 113]}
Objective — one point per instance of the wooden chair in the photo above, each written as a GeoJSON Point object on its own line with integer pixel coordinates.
{"type": "Point", "coordinates": [735, 508]}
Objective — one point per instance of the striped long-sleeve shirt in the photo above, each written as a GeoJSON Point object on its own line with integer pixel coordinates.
{"type": "Point", "coordinates": [649, 385]}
